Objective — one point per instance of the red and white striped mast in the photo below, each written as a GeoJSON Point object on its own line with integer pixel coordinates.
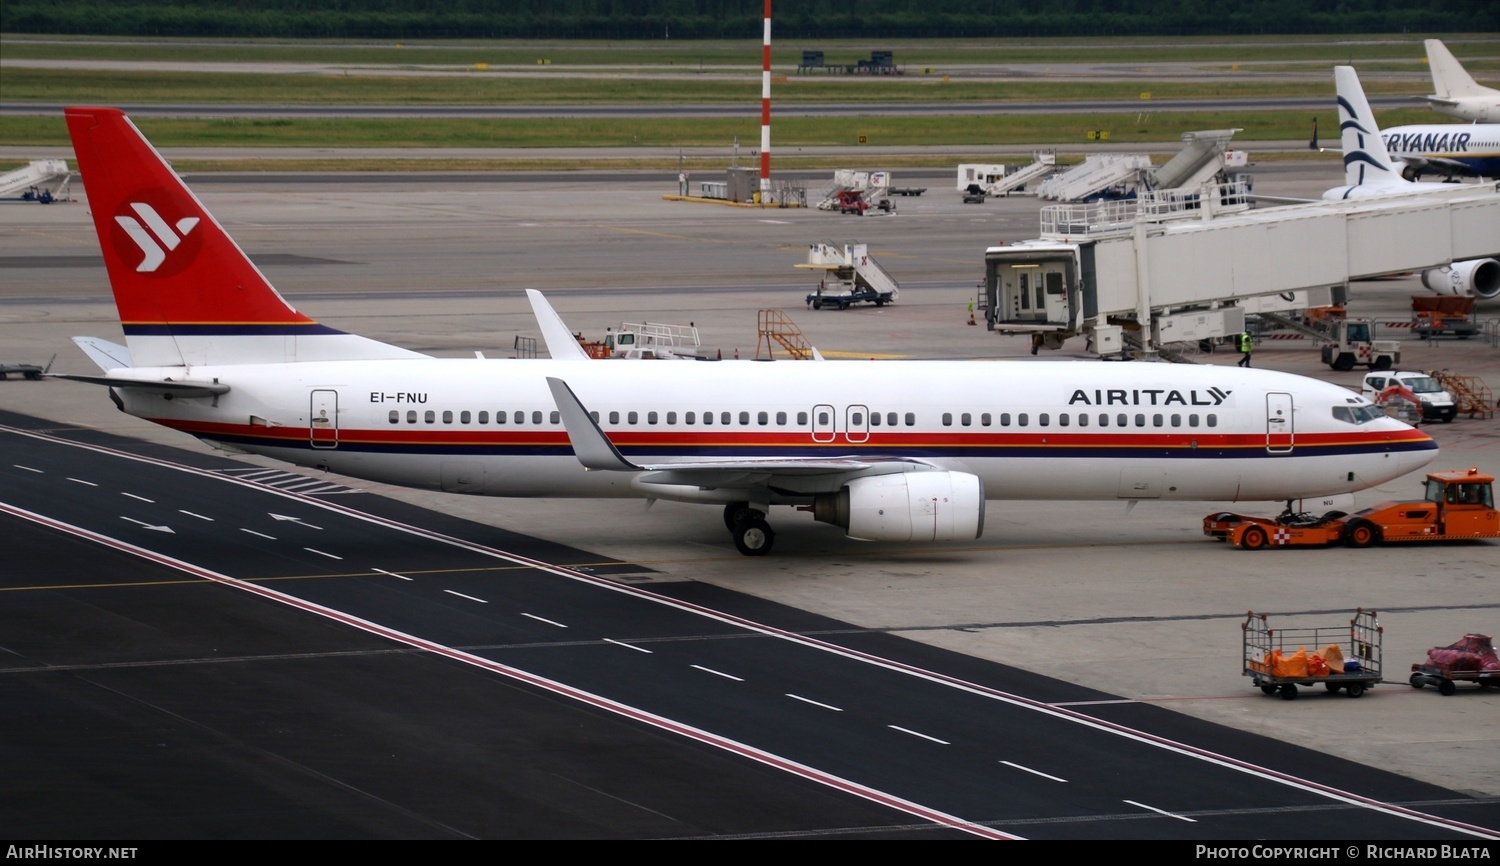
{"type": "Point", "coordinates": [765, 109]}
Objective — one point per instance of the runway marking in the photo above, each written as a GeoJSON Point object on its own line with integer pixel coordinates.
{"type": "Point", "coordinates": [321, 553]}
{"type": "Point", "coordinates": [718, 673]}
{"type": "Point", "coordinates": [543, 619]}
{"type": "Point", "coordinates": [469, 597]}
{"type": "Point", "coordinates": [141, 498]}
{"type": "Point", "coordinates": [297, 520]}
{"type": "Point", "coordinates": [261, 534]}
{"type": "Point", "coordinates": [822, 777]}
{"type": "Point", "coordinates": [1034, 772]}
{"type": "Point", "coordinates": [916, 734]}
{"type": "Point", "coordinates": [28, 469]}
{"type": "Point", "coordinates": [815, 703]}
{"type": "Point", "coordinates": [1163, 812]}
{"type": "Point", "coordinates": [81, 481]}
{"type": "Point", "coordinates": [191, 514]}
{"type": "Point", "coordinates": [149, 526]}
{"type": "Point", "coordinates": [628, 646]}
{"type": "Point", "coordinates": [391, 573]}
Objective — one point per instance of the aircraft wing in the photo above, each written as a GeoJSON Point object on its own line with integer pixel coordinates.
{"type": "Point", "coordinates": [595, 451]}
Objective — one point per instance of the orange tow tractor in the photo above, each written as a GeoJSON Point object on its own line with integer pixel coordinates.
{"type": "Point", "coordinates": [1460, 504]}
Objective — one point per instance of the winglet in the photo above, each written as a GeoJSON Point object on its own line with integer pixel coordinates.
{"type": "Point", "coordinates": [592, 447]}
{"type": "Point", "coordinates": [561, 344]}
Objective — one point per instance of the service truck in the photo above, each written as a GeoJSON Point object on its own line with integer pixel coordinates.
{"type": "Point", "coordinates": [1460, 504]}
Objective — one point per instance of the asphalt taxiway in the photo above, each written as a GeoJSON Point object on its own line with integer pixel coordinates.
{"type": "Point", "coordinates": [1134, 604]}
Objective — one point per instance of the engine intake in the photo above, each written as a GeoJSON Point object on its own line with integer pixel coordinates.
{"type": "Point", "coordinates": [906, 506]}
{"type": "Point", "coordinates": [1478, 278]}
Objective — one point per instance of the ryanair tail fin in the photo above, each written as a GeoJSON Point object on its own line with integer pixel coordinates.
{"type": "Point", "coordinates": [186, 293]}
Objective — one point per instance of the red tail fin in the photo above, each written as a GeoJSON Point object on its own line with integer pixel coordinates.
{"type": "Point", "coordinates": [169, 261]}
{"type": "Point", "coordinates": [186, 292]}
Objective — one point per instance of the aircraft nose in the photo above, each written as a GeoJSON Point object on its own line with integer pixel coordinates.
{"type": "Point", "coordinates": [1423, 451]}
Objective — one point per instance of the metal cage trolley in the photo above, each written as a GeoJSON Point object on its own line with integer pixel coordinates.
{"type": "Point", "coordinates": [1343, 657]}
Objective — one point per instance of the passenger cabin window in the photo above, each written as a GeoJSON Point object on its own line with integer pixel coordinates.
{"type": "Point", "coordinates": [395, 416]}
{"type": "Point", "coordinates": [911, 419]}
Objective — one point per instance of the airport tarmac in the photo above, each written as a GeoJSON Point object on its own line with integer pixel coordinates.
{"type": "Point", "coordinates": [1131, 601]}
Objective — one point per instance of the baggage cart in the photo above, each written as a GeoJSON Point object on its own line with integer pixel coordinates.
{"type": "Point", "coordinates": [1470, 660]}
{"type": "Point", "coordinates": [1279, 660]}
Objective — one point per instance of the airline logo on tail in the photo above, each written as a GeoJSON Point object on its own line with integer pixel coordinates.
{"type": "Point", "coordinates": [1358, 154]}
{"type": "Point", "coordinates": [153, 235]}
{"type": "Point", "coordinates": [150, 234]}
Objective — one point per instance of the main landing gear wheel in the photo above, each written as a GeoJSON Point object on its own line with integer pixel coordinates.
{"type": "Point", "coordinates": [753, 536]}
{"type": "Point", "coordinates": [733, 512]}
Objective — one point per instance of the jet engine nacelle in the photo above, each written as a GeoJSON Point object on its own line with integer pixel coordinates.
{"type": "Point", "coordinates": [907, 506]}
{"type": "Point", "coordinates": [1479, 278]}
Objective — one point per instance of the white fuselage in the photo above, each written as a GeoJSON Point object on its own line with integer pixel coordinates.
{"type": "Point", "coordinates": [1027, 429]}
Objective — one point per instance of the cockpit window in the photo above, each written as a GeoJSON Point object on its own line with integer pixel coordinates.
{"type": "Point", "coordinates": [1357, 414]}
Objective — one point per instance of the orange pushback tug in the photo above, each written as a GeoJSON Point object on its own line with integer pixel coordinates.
{"type": "Point", "coordinates": [1460, 504]}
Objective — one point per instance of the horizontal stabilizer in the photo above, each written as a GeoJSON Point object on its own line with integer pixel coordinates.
{"type": "Point", "coordinates": [165, 387]}
{"type": "Point", "coordinates": [109, 356]}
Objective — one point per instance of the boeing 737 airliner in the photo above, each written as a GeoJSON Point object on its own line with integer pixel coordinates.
{"type": "Point", "coordinates": [896, 450]}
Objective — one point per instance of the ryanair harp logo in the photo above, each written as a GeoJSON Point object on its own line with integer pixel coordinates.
{"type": "Point", "coordinates": [153, 235]}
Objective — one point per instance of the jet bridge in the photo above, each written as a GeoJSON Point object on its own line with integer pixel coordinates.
{"type": "Point", "coordinates": [1189, 266]}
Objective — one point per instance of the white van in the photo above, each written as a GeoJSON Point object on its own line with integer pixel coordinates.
{"type": "Point", "coordinates": [1437, 404]}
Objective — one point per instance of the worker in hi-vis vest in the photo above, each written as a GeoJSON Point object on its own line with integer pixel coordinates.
{"type": "Point", "coordinates": [1247, 345]}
